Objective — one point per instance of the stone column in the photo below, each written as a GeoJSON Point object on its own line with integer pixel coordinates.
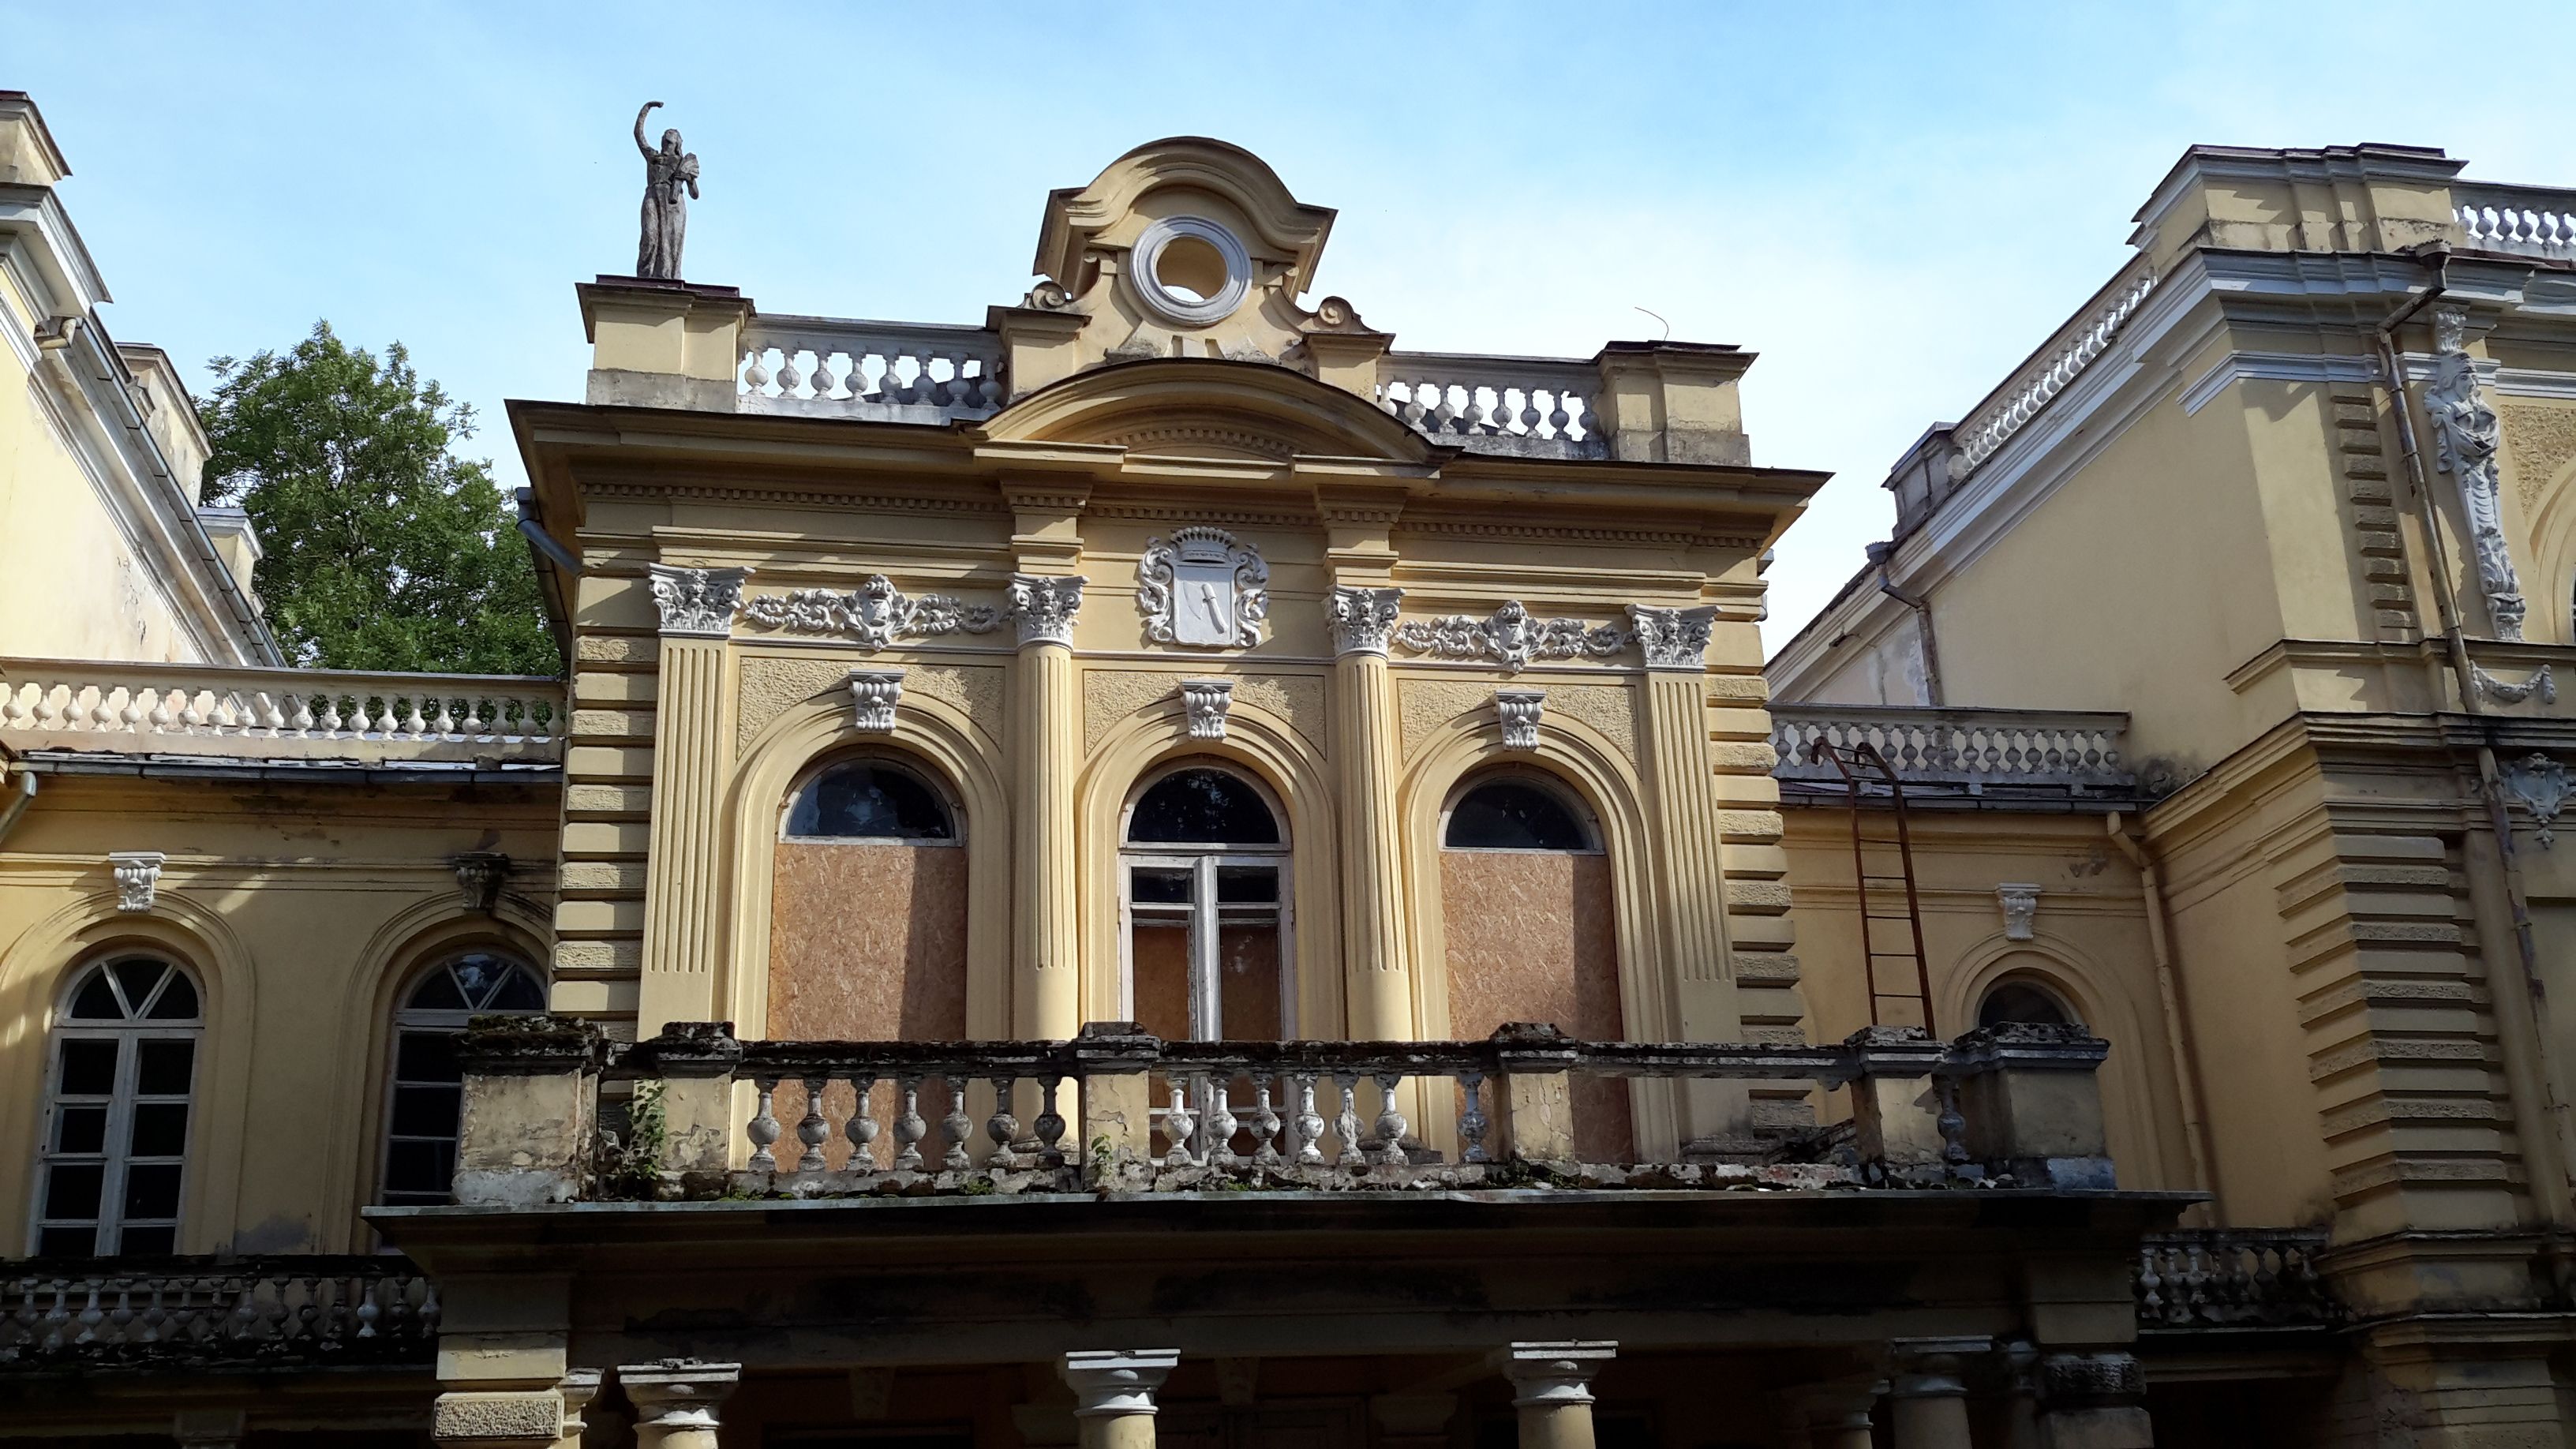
{"type": "Point", "coordinates": [684, 929]}
{"type": "Point", "coordinates": [1376, 962]}
{"type": "Point", "coordinates": [675, 1401]}
{"type": "Point", "coordinates": [1930, 1408]}
{"type": "Point", "coordinates": [1681, 791]}
{"type": "Point", "coordinates": [1833, 1416]}
{"type": "Point", "coordinates": [1552, 1390]}
{"type": "Point", "coordinates": [1114, 1392]}
{"type": "Point", "coordinates": [1046, 955]}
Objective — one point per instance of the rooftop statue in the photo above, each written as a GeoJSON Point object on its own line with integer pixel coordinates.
{"type": "Point", "coordinates": [666, 210]}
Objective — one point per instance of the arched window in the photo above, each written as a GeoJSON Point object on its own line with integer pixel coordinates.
{"type": "Point", "coordinates": [1519, 812]}
{"type": "Point", "coordinates": [2023, 1003]}
{"type": "Point", "coordinates": [1204, 881]}
{"type": "Point", "coordinates": [117, 1104]}
{"type": "Point", "coordinates": [869, 799]}
{"type": "Point", "coordinates": [426, 1098]}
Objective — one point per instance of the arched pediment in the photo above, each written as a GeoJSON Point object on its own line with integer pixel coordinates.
{"type": "Point", "coordinates": [1281, 225]}
{"type": "Point", "coordinates": [1209, 408]}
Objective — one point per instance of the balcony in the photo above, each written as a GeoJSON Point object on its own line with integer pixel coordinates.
{"type": "Point", "coordinates": [284, 1312]}
{"type": "Point", "coordinates": [2521, 221]}
{"type": "Point", "coordinates": [302, 716]}
{"type": "Point", "coordinates": [2233, 1278]}
{"type": "Point", "coordinates": [1117, 1113]}
{"type": "Point", "coordinates": [1962, 754]}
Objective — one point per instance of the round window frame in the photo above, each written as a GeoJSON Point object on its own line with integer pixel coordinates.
{"type": "Point", "coordinates": [1144, 275]}
{"type": "Point", "coordinates": [1595, 839]}
{"type": "Point", "coordinates": [929, 779]}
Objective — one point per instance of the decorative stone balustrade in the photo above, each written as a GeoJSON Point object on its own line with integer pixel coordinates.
{"type": "Point", "coordinates": [2526, 221]}
{"type": "Point", "coordinates": [2234, 1278]}
{"type": "Point", "coordinates": [885, 371]}
{"type": "Point", "coordinates": [186, 709]}
{"type": "Point", "coordinates": [2058, 362]}
{"type": "Point", "coordinates": [833, 1119]}
{"type": "Point", "coordinates": [1975, 748]}
{"type": "Point", "coordinates": [269, 1310]}
{"type": "Point", "coordinates": [1539, 406]}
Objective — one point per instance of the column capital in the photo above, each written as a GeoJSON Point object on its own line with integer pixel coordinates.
{"type": "Point", "coordinates": [697, 603]}
{"type": "Point", "coordinates": [1673, 639]}
{"type": "Point", "coordinates": [1928, 1368]}
{"type": "Point", "coordinates": [1117, 1380]}
{"type": "Point", "coordinates": [1044, 607]}
{"type": "Point", "coordinates": [1361, 618]}
{"type": "Point", "coordinates": [676, 1396]}
{"type": "Point", "coordinates": [1554, 1373]}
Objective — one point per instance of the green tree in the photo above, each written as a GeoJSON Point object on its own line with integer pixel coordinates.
{"type": "Point", "coordinates": [383, 549]}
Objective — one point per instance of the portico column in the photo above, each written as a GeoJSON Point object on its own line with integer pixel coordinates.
{"type": "Point", "coordinates": [1114, 1394]}
{"type": "Point", "coordinates": [1552, 1390]}
{"type": "Point", "coordinates": [1836, 1416]}
{"type": "Point", "coordinates": [1046, 954]}
{"type": "Point", "coordinates": [1376, 963]}
{"type": "Point", "coordinates": [675, 1401]}
{"type": "Point", "coordinates": [1930, 1408]}
{"type": "Point", "coordinates": [1682, 793]}
{"type": "Point", "coordinates": [692, 750]}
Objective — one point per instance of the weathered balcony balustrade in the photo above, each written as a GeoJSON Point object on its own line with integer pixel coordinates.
{"type": "Point", "coordinates": [1974, 749]}
{"type": "Point", "coordinates": [1118, 1111]}
{"type": "Point", "coordinates": [2234, 1278]}
{"type": "Point", "coordinates": [285, 1311]}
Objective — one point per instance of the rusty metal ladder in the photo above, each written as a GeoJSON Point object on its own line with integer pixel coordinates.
{"type": "Point", "coordinates": [1888, 939]}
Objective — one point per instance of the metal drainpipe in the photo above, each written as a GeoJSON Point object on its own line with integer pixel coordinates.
{"type": "Point", "coordinates": [1922, 608]}
{"type": "Point", "coordinates": [2542, 1133]}
{"type": "Point", "coordinates": [2178, 1038]}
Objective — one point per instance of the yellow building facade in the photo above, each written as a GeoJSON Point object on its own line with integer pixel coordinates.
{"type": "Point", "coordinates": [1159, 867]}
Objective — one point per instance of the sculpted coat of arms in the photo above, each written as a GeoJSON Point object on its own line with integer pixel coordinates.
{"type": "Point", "coordinates": [1204, 589]}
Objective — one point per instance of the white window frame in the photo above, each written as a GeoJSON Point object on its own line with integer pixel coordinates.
{"type": "Point", "coordinates": [1204, 913]}
{"type": "Point", "coordinates": [426, 1020]}
{"type": "Point", "coordinates": [115, 1155]}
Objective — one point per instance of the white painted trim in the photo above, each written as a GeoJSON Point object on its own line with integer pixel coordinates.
{"type": "Point", "coordinates": [2238, 367]}
{"type": "Point", "coordinates": [2534, 382]}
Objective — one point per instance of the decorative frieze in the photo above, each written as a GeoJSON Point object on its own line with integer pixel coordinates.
{"type": "Point", "coordinates": [1509, 637]}
{"type": "Point", "coordinates": [2468, 433]}
{"type": "Point", "coordinates": [2540, 784]}
{"type": "Point", "coordinates": [1207, 701]}
{"type": "Point", "coordinates": [1044, 607]}
{"type": "Point", "coordinates": [2541, 683]}
{"type": "Point", "coordinates": [874, 616]}
{"type": "Point", "coordinates": [1673, 638]}
{"type": "Point", "coordinates": [1204, 589]}
{"type": "Point", "coordinates": [1361, 619]}
{"type": "Point", "coordinates": [1518, 710]}
{"type": "Point", "coordinates": [138, 878]}
{"type": "Point", "coordinates": [697, 603]}
{"type": "Point", "coordinates": [874, 693]}
{"type": "Point", "coordinates": [2021, 904]}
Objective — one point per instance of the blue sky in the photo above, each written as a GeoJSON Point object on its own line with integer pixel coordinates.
{"type": "Point", "coordinates": [1892, 204]}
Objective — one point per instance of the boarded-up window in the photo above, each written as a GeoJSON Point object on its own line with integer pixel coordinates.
{"type": "Point", "coordinates": [1531, 931]}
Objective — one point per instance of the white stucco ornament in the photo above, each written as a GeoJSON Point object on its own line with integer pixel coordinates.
{"type": "Point", "coordinates": [1207, 702]}
{"type": "Point", "coordinates": [138, 878]}
{"type": "Point", "coordinates": [874, 693]}
{"type": "Point", "coordinates": [1518, 710]}
{"type": "Point", "coordinates": [1202, 588]}
{"type": "Point", "coordinates": [2020, 901]}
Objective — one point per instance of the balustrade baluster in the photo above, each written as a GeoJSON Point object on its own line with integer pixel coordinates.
{"type": "Point", "coordinates": [1050, 1125]}
{"type": "Point", "coordinates": [763, 1130]}
{"type": "Point", "coordinates": [371, 1308]}
{"type": "Point", "coordinates": [1347, 1124]}
{"type": "Point", "coordinates": [956, 1127]}
{"type": "Point", "coordinates": [1471, 1118]}
{"type": "Point", "coordinates": [791, 378]}
{"type": "Point", "coordinates": [862, 1127]}
{"type": "Point", "coordinates": [1220, 1125]}
{"type": "Point", "coordinates": [1309, 1126]}
{"type": "Point", "coordinates": [1265, 1125]}
{"type": "Point", "coordinates": [1178, 1124]}
{"type": "Point", "coordinates": [120, 1317]}
{"type": "Point", "coordinates": [58, 1319]}
{"type": "Point", "coordinates": [156, 1315]}
{"type": "Point", "coordinates": [909, 1129]}
{"type": "Point", "coordinates": [755, 370]}
{"type": "Point", "coordinates": [1002, 1127]}
{"type": "Point", "coordinates": [91, 1315]}
{"type": "Point", "coordinates": [811, 1129]}
{"type": "Point", "coordinates": [1390, 1122]}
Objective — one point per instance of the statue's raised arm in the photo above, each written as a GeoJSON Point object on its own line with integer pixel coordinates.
{"type": "Point", "coordinates": [640, 143]}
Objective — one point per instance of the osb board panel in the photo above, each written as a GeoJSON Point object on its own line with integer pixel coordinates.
{"type": "Point", "coordinates": [868, 943]}
{"type": "Point", "coordinates": [1533, 937]}
{"type": "Point", "coordinates": [1247, 981]}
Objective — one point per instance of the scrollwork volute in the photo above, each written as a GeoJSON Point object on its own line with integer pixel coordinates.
{"type": "Point", "coordinates": [1043, 607]}
{"type": "Point", "coordinates": [1673, 638]}
{"type": "Point", "coordinates": [1361, 618]}
{"type": "Point", "coordinates": [697, 602]}
{"type": "Point", "coordinates": [1509, 637]}
{"type": "Point", "coordinates": [874, 616]}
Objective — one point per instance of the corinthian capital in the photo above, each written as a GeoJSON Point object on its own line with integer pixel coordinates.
{"type": "Point", "coordinates": [697, 602]}
{"type": "Point", "coordinates": [1361, 619]}
{"type": "Point", "coordinates": [1673, 638]}
{"type": "Point", "coordinates": [1044, 607]}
